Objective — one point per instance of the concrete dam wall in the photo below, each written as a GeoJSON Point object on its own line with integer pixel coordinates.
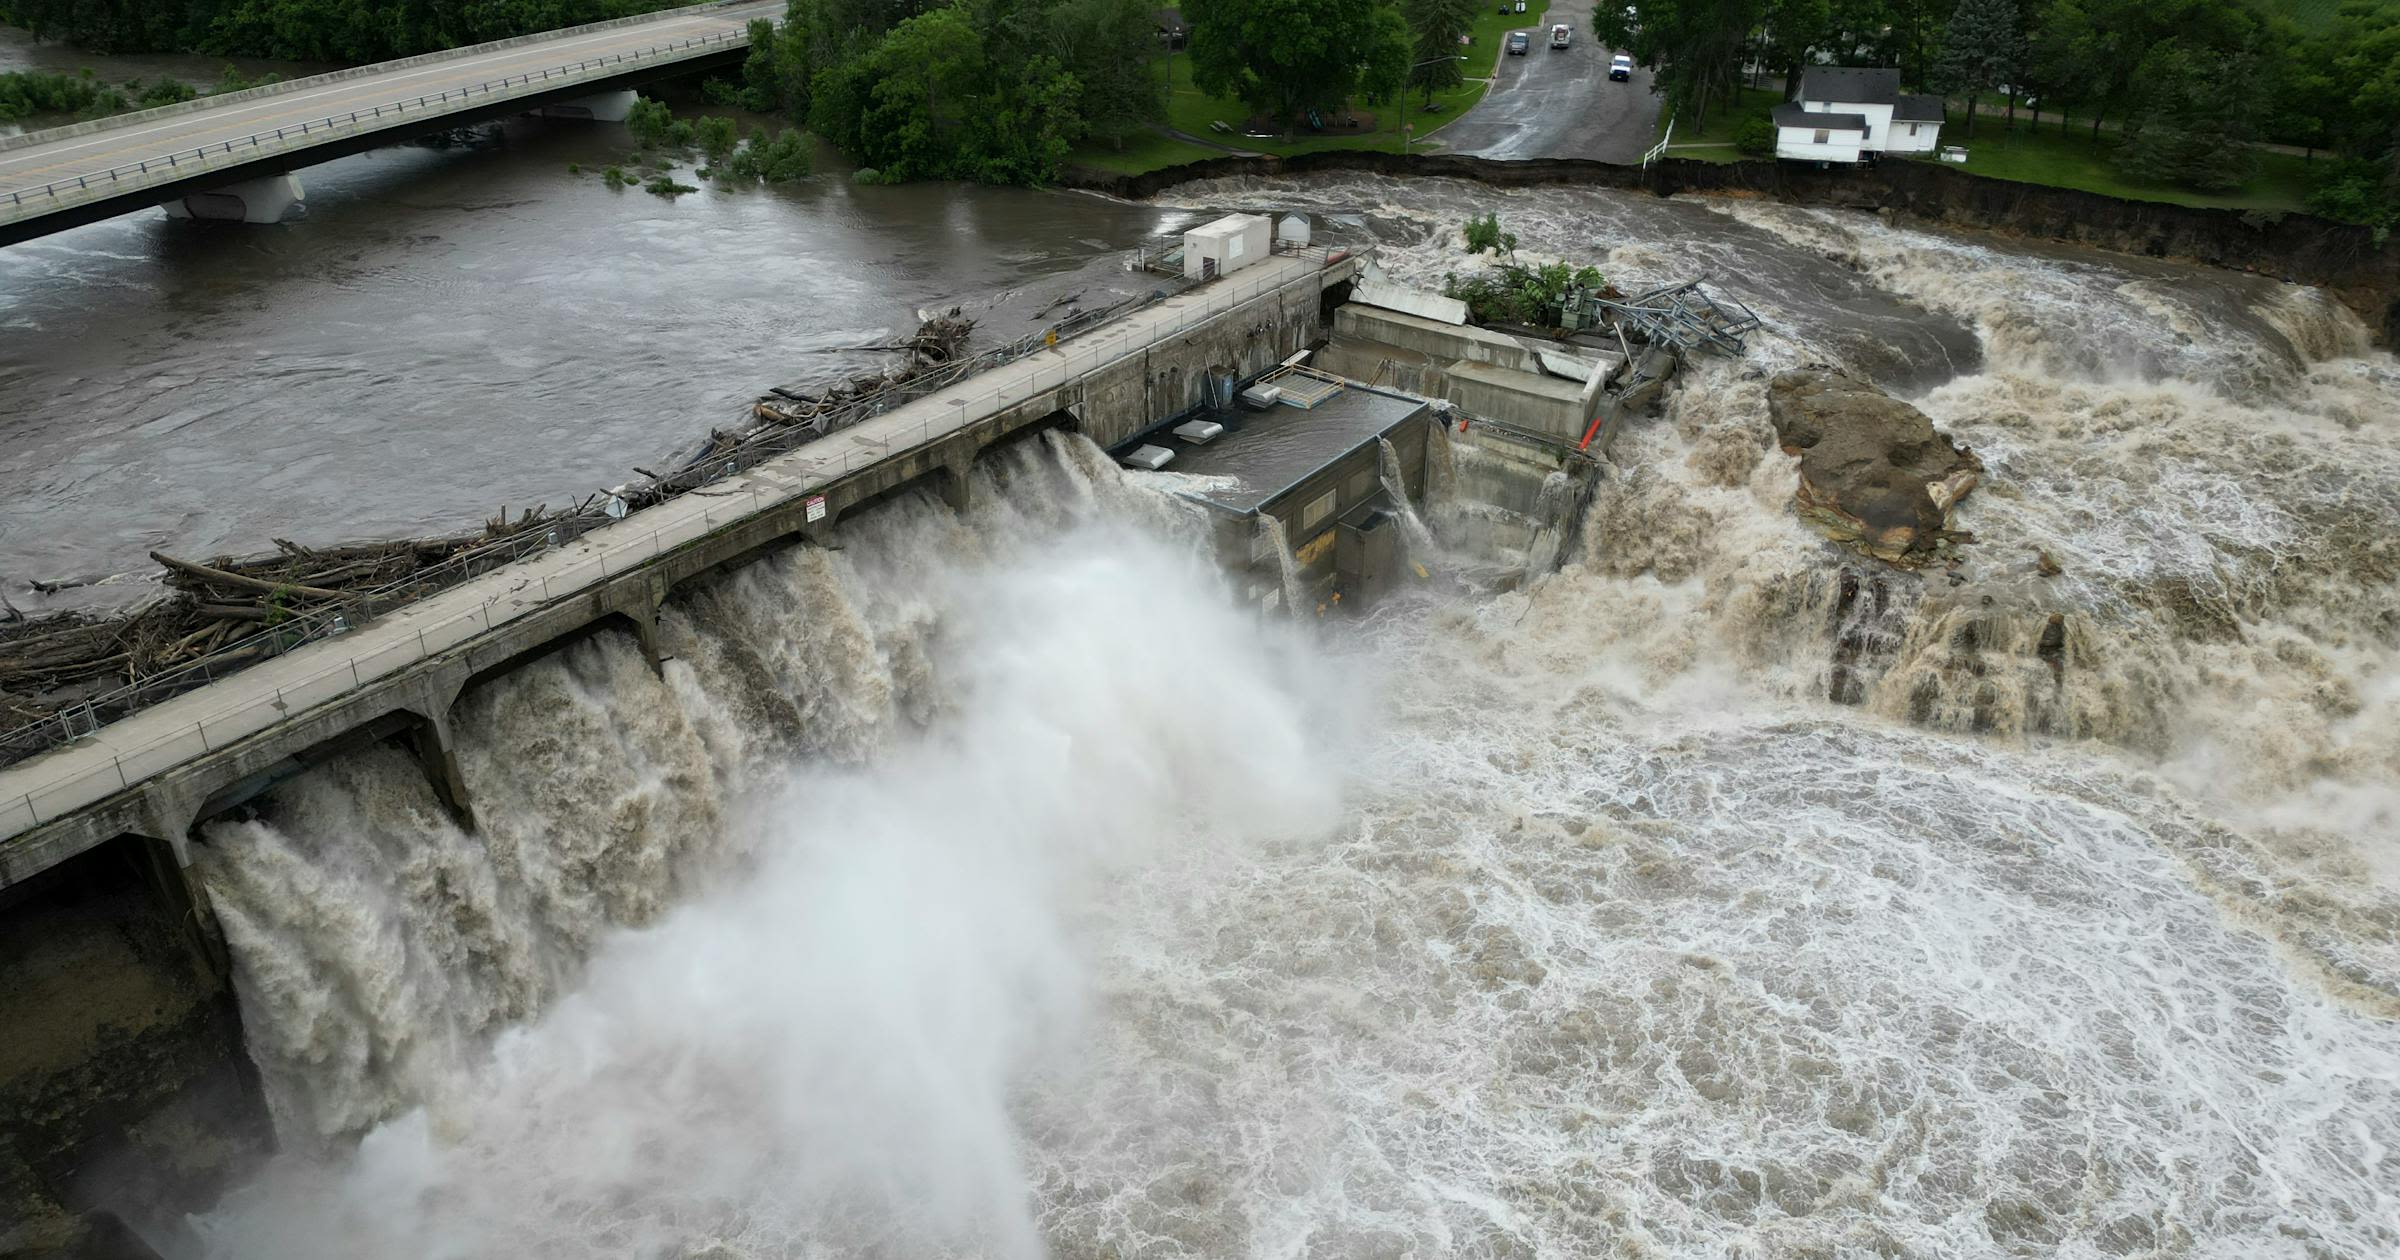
{"type": "Point", "coordinates": [135, 1082]}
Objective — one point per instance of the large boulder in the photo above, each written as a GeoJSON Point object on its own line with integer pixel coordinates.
{"type": "Point", "coordinates": [1874, 473]}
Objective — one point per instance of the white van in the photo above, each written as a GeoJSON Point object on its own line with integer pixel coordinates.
{"type": "Point", "coordinates": [1560, 34]}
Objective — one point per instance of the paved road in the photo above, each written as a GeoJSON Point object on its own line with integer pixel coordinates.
{"type": "Point", "coordinates": [72, 155]}
{"type": "Point", "coordinates": [1550, 103]}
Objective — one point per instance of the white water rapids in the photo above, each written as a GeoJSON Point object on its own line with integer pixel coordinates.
{"type": "Point", "coordinates": [993, 887]}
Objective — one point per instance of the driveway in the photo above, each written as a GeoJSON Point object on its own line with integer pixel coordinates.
{"type": "Point", "coordinates": [1549, 103]}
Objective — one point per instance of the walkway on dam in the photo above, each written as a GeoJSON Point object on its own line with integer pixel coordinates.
{"type": "Point", "coordinates": [196, 724]}
{"type": "Point", "coordinates": [66, 175]}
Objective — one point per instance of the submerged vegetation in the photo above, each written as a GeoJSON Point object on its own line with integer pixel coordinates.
{"type": "Point", "coordinates": [779, 157]}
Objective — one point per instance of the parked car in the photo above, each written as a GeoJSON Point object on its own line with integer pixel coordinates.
{"type": "Point", "coordinates": [1560, 34]}
{"type": "Point", "coordinates": [1518, 42]}
{"type": "Point", "coordinates": [1620, 68]}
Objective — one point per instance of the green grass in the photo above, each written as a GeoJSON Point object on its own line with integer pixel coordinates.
{"type": "Point", "coordinates": [2075, 160]}
{"type": "Point", "coordinates": [1141, 153]}
{"type": "Point", "coordinates": [1722, 122]}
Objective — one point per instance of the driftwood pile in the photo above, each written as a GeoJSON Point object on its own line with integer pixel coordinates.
{"type": "Point", "coordinates": [938, 341]}
{"type": "Point", "coordinates": [230, 610]}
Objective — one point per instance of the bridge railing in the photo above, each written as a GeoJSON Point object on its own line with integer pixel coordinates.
{"type": "Point", "coordinates": [674, 522]}
{"type": "Point", "coordinates": [180, 164]}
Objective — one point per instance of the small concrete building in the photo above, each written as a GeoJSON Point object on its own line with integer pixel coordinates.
{"type": "Point", "coordinates": [1227, 245]}
{"type": "Point", "coordinates": [1854, 114]}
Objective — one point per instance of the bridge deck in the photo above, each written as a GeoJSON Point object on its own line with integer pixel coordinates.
{"type": "Point", "coordinates": [125, 753]}
{"type": "Point", "coordinates": [47, 173]}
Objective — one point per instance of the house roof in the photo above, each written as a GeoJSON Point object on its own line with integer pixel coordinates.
{"type": "Point", "coordinates": [1168, 19]}
{"type": "Point", "coordinates": [1914, 108]}
{"type": "Point", "coordinates": [1789, 114]}
{"type": "Point", "coordinates": [1850, 85]}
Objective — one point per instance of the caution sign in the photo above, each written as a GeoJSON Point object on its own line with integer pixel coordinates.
{"type": "Point", "coordinates": [816, 507]}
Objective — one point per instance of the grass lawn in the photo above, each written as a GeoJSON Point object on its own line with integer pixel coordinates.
{"type": "Point", "coordinates": [1141, 153]}
{"type": "Point", "coordinates": [2075, 160]}
{"type": "Point", "coordinates": [1722, 121]}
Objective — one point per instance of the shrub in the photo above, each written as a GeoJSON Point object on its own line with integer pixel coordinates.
{"type": "Point", "coordinates": [1756, 137]}
{"type": "Point", "coordinates": [786, 158]}
{"type": "Point", "coordinates": [1515, 294]}
{"type": "Point", "coordinates": [716, 137]}
{"type": "Point", "coordinates": [1485, 236]}
{"type": "Point", "coordinates": [650, 121]}
{"type": "Point", "coordinates": [665, 186]}
{"type": "Point", "coordinates": [614, 177]}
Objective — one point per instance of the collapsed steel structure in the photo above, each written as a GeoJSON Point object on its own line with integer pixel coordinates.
{"type": "Point", "coordinates": [1682, 316]}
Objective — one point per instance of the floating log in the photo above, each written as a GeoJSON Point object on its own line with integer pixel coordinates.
{"type": "Point", "coordinates": [246, 583]}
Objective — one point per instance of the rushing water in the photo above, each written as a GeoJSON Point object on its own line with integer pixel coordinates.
{"type": "Point", "coordinates": [989, 886]}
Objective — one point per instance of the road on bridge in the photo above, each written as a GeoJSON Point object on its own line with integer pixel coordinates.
{"type": "Point", "coordinates": [1553, 103]}
{"type": "Point", "coordinates": [71, 155]}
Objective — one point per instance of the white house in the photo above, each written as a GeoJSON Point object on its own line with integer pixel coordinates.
{"type": "Point", "coordinates": [1853, 113]}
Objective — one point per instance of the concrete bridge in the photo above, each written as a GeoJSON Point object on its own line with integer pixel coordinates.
{"type": "Point", "coordinates": [232, 156]}
{"type": "Point", "coordinates": [154, 775]}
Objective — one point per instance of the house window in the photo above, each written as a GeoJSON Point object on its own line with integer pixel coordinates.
{"type": "Point", "coordinates": [1823, 135]}
{"type": "Point", "coordinates": [1912, 129]}
{"type": "Point", "coordinates": [1867, 132]}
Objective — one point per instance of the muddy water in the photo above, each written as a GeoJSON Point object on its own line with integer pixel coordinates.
{"type": "Point", "coordinates": [462, 325]}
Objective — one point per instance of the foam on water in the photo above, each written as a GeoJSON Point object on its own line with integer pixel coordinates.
{"type": "Point", "coordinates": [989, 887]}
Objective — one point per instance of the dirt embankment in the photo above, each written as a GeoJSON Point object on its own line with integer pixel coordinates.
{"type": "Point", "coordinates": [2342, 258]}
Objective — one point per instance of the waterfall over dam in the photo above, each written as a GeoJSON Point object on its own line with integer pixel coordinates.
{"type": "Point", "coordinates": [991, 877]}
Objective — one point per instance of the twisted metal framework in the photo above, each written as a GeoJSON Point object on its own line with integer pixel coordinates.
{"type": "Point", "coordinates": [1683, 316]}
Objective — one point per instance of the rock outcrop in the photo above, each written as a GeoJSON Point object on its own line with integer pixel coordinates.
{"type": "Point", "coordinates": [1875, 475]}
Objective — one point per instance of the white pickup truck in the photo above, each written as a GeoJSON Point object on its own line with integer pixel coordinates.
{"type": "Point", "coordinates": [1561, 35]}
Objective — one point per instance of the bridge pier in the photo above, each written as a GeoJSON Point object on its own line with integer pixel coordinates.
{"type": "Point", "coordinates": [604, 107]}
{"type": "Point", "coordinates": [265, 200]}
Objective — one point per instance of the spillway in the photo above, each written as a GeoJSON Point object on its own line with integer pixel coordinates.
{"type": "Point", "coordinates": [1003, 883]}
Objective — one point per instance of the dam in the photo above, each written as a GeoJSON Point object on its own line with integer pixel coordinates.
{"type": "Point", "coordinates": [1313, 501]}
{"type": "Point", "coordinates": [1001, 882]}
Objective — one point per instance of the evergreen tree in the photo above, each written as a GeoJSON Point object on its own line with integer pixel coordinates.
{"type": "Point", "coordinates": [1980, 47]}
{"type": "Point", "coordinates": [1435, 27]}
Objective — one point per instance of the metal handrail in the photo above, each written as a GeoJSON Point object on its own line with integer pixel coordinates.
{"type": "Point", "coordinates": [86, 718]}
{"type": "Point", "coordinates": [284, 137]}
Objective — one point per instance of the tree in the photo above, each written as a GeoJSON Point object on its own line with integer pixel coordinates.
{"type": "Point", "coordinates": [2198, 114]}
{"type": "Point", "coordinates": [1282, 57]}
{"type": "Point", "coordinates": [1696, 44]}
{"type": "Point", "coordinates": [1980, 48]}
{"type": "Point", "coordinates": [1106, 45]}
{"type": "Point", "coordinates": [1435, 27]}
{"type": "Point", "coordinates": [1383, 63]}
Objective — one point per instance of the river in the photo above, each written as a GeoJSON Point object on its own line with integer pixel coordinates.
{"type": "Point", "coordinates": [990, 886]}
{"type": "Point", "coordinates": [465, 325]}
